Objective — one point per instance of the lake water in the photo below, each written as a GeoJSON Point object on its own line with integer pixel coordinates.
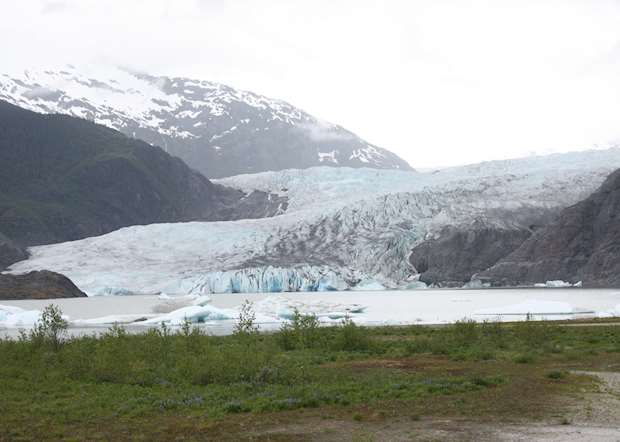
{"type": "Point", "coordinates": [432, 306]}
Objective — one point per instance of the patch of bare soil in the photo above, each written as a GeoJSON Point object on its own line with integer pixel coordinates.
{"type": "Point", "coordinates": [595, 417]}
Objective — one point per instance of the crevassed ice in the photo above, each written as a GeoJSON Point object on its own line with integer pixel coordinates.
{"type": "Point", "coordinates": [343, 226]}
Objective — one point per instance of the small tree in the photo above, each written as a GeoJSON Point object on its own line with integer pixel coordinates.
{"type": "Point", "coordinates": [300, 333]}
{"type": "Point", "coordinates": [351, 337]}
{"type": "Point", "coordinates": [50, 328]}
{"type": "Point", "coordinates": [186, 327]}
{"type": "Point", "coordinates": [117, 331]}
{"type": "Point", "coordinates": [246, 322]}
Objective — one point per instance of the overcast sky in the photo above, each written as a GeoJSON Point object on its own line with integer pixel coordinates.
{"type": "Point", "coordinates": [438, 82]}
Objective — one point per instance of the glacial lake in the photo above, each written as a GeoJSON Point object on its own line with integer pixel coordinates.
{"type": "Point", "coordinates": [431, 306]}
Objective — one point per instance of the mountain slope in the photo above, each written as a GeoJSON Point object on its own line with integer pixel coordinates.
{"type": "Point", "coordinates": [38, 285]}
{"type": "Point", "coordinates": [10, 252]}
{"type": "Point", "coordinates": [344, 228]}
{"type": "Point", "coordinates": [583, 244]}
{"type": "Point", "coordinates": [460, 252]}
{"type": "Point", "coordinates": [64, 178]}
{"type": "Point", "coordinates": [215, 129]}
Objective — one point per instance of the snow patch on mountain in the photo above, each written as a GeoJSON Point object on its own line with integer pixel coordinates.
{"type": "Point", "coordinates": [185, 117]}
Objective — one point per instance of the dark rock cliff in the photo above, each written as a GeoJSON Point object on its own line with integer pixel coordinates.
{"type": "Point", "coordinates": [10, 252]}
{"type": "Point", "coordinates": [583, 244]}
{"type": "Point", "coordinates": [38, 285]}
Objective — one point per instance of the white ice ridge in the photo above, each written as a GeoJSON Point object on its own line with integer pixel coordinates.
{"type": "Point", "coordinates": [345, 228]}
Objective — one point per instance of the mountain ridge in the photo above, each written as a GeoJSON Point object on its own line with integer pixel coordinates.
{"type": "Point", "coordinates": [64, 178]}
{"type": "Point", "coordinates": [583, 244]}
{"type": "Point", "coordinates": [216, 129]}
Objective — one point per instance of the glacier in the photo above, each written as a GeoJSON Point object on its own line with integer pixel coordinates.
{"type": "Point", "coordinates": [344, 228]}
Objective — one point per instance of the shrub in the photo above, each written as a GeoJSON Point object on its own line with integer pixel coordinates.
{"type": "Point", "coordinates": [235, 407]}
{"type": "Point", "coordinates": [556, 375]}
{"type": "Point", "coordinates": [534, 335]}
{"type": "Point", "coordinates": [526, 358]}
{"type": "Point", "coordinates": [116, 331]}
{"type": "Point", "coordinates": [51, 328]}
{"type": "Point", "coordinates": [350, 337]}
{"type": "Point", "coordinates": [300, 333]}
{"type": "Point", "coordinates": [465, 332]}
{"type": "Point", "coordinates": [246, 322]}
{"type": "Point", "coordinates": [420, 344]}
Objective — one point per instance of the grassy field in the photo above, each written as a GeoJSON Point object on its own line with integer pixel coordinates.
{"type": "Point", "coordinates": [186, 385]}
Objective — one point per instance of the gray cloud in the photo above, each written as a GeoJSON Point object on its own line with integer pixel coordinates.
{"type": "Point", "coordinates": [324, 131]}
{"type": "Point", "coordinates": [437, 81]}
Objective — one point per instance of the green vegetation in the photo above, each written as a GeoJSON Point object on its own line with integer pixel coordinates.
{"type": "Point", "coordinates": [184, 381]}
{"type": "Point", "coordinates": [65, 178]}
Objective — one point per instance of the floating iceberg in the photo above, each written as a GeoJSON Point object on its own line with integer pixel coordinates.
{"type": "Point", "coordinates": [280, 307]}
{"type": "Point", "coordinates": [194, 314]}
{"type": "Point", "coordinates": [15, 317]}
{"type": "Point", "coordinates": [555, 284]}
{"type": "Point", "coordinates": [124, 319]}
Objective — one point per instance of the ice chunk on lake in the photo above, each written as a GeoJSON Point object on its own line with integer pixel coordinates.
{"type": "Point", "coordinates": [15, 317]}
{"type": "Point", "coordinates": [611, 313]}
{"type": "Point", "coordinates": [280, 307]}
{"type": "Point", "coordinates": [554, 284]}
{"type": "Point", "coordinates": [193, 314]}
{"type": "Point", "coordinates": [113, 319]}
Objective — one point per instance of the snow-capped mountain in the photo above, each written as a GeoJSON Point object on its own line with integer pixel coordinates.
{"type": "Point", "coordinates": [344, 228]}
{"type": "Point", "coordinates": [217, 130]}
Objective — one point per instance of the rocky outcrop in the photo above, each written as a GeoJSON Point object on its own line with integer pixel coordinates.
{"type": "Point", "coordinates": [583, 244]}
{"type": "Point", "coordinates": [458, 253]}
{"type": "Point", "coordinates": [10, 252]}
{"type": "Point", "coordinates": [38, 285]}
{"type": "Point", "coordinates": [64, 179]}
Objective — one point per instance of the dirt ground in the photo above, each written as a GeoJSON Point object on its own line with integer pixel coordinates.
{"type": "Point", "coordinates": [594, 416]}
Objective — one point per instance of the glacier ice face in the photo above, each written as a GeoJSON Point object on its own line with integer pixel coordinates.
{"type": "Point", "coordinates": [343, 226]}
{"type": "Point", "coordinates": [369, 285]}
{"type": "Point", "coordinates": [273, 279]}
